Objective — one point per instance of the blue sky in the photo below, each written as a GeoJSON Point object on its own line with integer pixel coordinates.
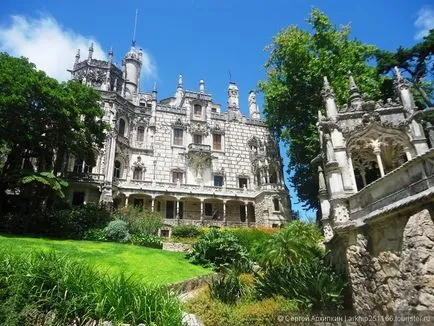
{"type": "Point", "coordinates": [202, 39]}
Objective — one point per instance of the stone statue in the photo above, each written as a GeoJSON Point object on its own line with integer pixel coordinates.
{"type": "Point", "coordinates": [253, 107]}
{"type": "Point", "coordinates": [233, 96]}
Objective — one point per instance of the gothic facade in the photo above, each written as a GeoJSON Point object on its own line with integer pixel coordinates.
{"type": "Point", "coordinates": [181, 156]}
{"type": "Point", "coordinates": [376, 191]}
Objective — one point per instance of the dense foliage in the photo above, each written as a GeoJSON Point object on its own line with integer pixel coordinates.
{"type": "Point", "coordinates": [417, 62]}
{"type": "Point", "coordinates": [70, 223]}
{"type": "Point", "coordinates": [42, 123]}
{"type": "Point", "coordinates": [227, 289]}
{"type": "Point", "coordinates": [298, 61]}
{"type": "Point", "coordinates": [146, 240]}
{"type": "Point", "coordinates": [44, 287]}
{"type": "Point", "coordinates": [186, 231]}
{"type": "Point", "coordinates": [140, 221]}
{"type": "Point", "coordinates": [310, 283]}
{"type": "Point", "coordinates": [253, 239]}
{"type": "Point", "coordinates": [220, 250]}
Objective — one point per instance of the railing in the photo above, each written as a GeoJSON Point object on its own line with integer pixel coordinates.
{"type": "Point", "coordinates": [89, 177]}
{"type": "Point", "coordinates": [199, 148]}
{"type": "Point", "coordinates": [400, 186]}
{"type": "Point", "coordinates": [206, 222]}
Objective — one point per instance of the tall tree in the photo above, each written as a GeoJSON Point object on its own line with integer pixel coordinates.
{"type": "Point", "coordinates": [298, 61]}
{"type": "Point", "coordinates": [418, 64]}
{"type": "Point", "coordinates": [42, 122]}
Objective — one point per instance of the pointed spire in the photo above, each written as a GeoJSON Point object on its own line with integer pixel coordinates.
{"type": "Point", "coordinates": [110, 55]}
{"type": "Point", "coordinates": [89, 57]}
{"type": "Point", "coordinates": [77, 56]}
{"type": "Point", "coordinates": [133, 43]}
{"type": "Point", "coordinates": [354, 90]}
{"type": "Point", "coordinates": [399, 81]}
{"type": "Point", "coordinates": [180, 82]}
{"type": "Point", "coordinates": [154, 90]}
{"type": "Point", "coordinates": [327, 90]}
{"type": "Point", "coordinates": [202, 86]}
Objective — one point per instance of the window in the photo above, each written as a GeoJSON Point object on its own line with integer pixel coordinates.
{"type": "Point", "coordinates": [276, 204]}
{"type": "Point", "coordinates": [117, 169]}
{"type": "Point", "coordinates": [208, 209]}
{"type": "Point", "coordinates": [140, 133]}
{"type": "Point", "coordinates": [197, 110]}
{"type": "Point", "coordinates": [122, 127]}
{"type": "Point", "coordinates": [197, 139]}
{"type": "Point", "coordinates": [217, 141]}
{"type": "Point", "coordinates": [77, 198]}
{"type": "Point", "coordinates": [218, 180]}
{"type": "Point", "coordinates": [242, 182]}
{"type": "Point", "coordinates": [137, 174]}
{"type": "Point", "coordinates": [81, 166]}
{"type": "Point", "coordinates": [273, 176]}
{"type": "Point", "coordinates": [178, 135]}
{"type": "Point", "coordinates": [214, 110]}
{"type": "Point", "coordinates": [177, 176]}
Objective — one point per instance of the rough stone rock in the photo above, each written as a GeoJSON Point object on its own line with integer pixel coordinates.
{"type": "Point", "coordinates": [190, 320]}
{"type": "Point", "coordinates": [426, 299]}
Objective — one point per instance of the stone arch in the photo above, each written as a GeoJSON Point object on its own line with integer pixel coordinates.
{"type": "Point", "coordinates": [377, 150]}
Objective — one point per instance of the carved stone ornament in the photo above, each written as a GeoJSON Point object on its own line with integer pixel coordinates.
{"type": "Point", "coordinates": [139, 164]}
{"type": "Point", "coordinates": [178, 124]}
{"type": "Point", "coordinates": [327, 91]}
{"type": "Point", "coordinates": [198, 128]}
{"type": "Point", "coordinates": [216, 129]}
{"type": "Point", "coordinates": [326, 125]}
{"type": "Point", "coordinates": [199, 160]}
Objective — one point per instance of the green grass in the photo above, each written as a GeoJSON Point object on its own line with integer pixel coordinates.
{"type": "Point", "coordinates": [149, 265]}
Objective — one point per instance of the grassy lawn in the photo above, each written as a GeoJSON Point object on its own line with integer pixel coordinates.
{"type": "Point", "coordinates": [152, 265]}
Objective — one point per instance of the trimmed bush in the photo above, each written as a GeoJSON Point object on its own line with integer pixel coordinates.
{"type": "Point", "coordinates": [313, 285]}
{"type": "Point", "coordinates": [220, 250]}
{"type": "Point", "coordinates": [186, 231]}
{"type": "Point", "coordinates": [117, 231]}
{"type": "Point", "coordinates": [147, 240]}
{"type": "Point", "coordinates": [40, 285]}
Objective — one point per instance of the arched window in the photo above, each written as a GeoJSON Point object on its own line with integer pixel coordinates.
{"type": "Point", "coordinates": [122, 127]}
{"type": "Point", "coordinates": [117, 170]}
{"type": "Point", "coordinates": [137, 174]}
{"type": "Point", "coordinates": [140, 133]}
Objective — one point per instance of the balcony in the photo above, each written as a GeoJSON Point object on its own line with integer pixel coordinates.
{"type": "Point", "coordinates": [413, 181]}
{"type": "Point", "coordinates": [199, 148]}
{"type": "Point", "coordinates": [85, 177]}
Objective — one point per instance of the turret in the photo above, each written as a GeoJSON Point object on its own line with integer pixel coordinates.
{"type": "Point", "coordinates": [329, 99]}
{"type": "Point", "coordinates": [132, 67]}
{"type": "Point", "coordinates": [77, 57]}
{"type": "Point", "coordinates": [90, 54]}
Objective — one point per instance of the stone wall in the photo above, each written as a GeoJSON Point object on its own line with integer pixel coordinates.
{"type": "Point", "coordinates": [390, 263]}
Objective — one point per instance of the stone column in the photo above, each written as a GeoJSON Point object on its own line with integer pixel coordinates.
{"type": "Point", "coordinates": [153, 204]}
{"type": "Point", "coordinates": [353, 177]}
{"type": "Point", "coordinates": [407, 153]}
{"type": "Point", "coordinates": [177, 210]}
{"type": "Point", "coordinates": [126, 200]}
{"type": "Point", "coordinates": [377, 152]}
{"type": "Point", "coordinates": [246, 212]}
{"type": "Point", "coordinates": [201, 210]}
{"type": "Point", "coordinates": [224, 212]}
{"type": "Point", "coordinates": [363, 174]}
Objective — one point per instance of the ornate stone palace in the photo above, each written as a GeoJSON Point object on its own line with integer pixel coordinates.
{"type": "Point", "coordinates": [181, 156]}
{"type": "Point", "coordinates": [376, 190]}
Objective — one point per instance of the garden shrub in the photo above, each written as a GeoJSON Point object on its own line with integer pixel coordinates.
{"type": "Point", "coordinates": [252, 239]}
{"type": "Point", "coordinates": [227, 289]}
{"type": "Point", "coordinates": [140, 221]}
{"type": "Point", "coordinates": [242, 313]}
{"type": "Point", "coordinates": [32, 286]}
{"type": "Point", "coordinates": [117, 231]}
{"type": "Point", "coordinates": [146, 240]}
{"type": "Point", "coordinates": [186, 231]}
{"type": "Point", "coordinates": [95, 235]}
{"type": "Point", "coordinates": [220, 250]}
{"type": "Point", "coordinates": [297, 241]}
{"type": "Point", "coordinates": [312, 284]}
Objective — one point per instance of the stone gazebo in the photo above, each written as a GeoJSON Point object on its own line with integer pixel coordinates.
{"type": "Point", "coordinates": [376, 191]}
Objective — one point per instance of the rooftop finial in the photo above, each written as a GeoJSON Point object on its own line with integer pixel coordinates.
{"type": "Point", "coordinates": [353, 86]}
{"type": "Point", "coordinates": [110, 53]}
{"type": "Point", "coordinates": [155, 87]}
{"type": "Point", "coordinates": [135, 27]}
{"type": "Point", "coordinates": [77, 56]}
{"type": "Point", "coordinates": [90, 51]}
{"type": "Point", "coordinates": [202, 86]}
{"type": "Point", "coordinates": [180, 83]}
{"type": "Point", "coordinates": [327, 90]}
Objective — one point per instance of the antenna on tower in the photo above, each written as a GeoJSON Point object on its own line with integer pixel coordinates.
{"type": "Point", "coordinates": [135, 27]}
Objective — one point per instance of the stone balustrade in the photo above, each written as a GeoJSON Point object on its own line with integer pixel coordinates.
{"type": "Point", "coordinates": [86, 177]}
{"type": "Point", "coordinates": [411, 181]}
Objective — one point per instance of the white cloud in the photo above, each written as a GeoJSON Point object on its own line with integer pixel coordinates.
{"type": "Point", "coordinates": [424, 22]}
{"type": "Point", "coordinates": [51, 47]}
